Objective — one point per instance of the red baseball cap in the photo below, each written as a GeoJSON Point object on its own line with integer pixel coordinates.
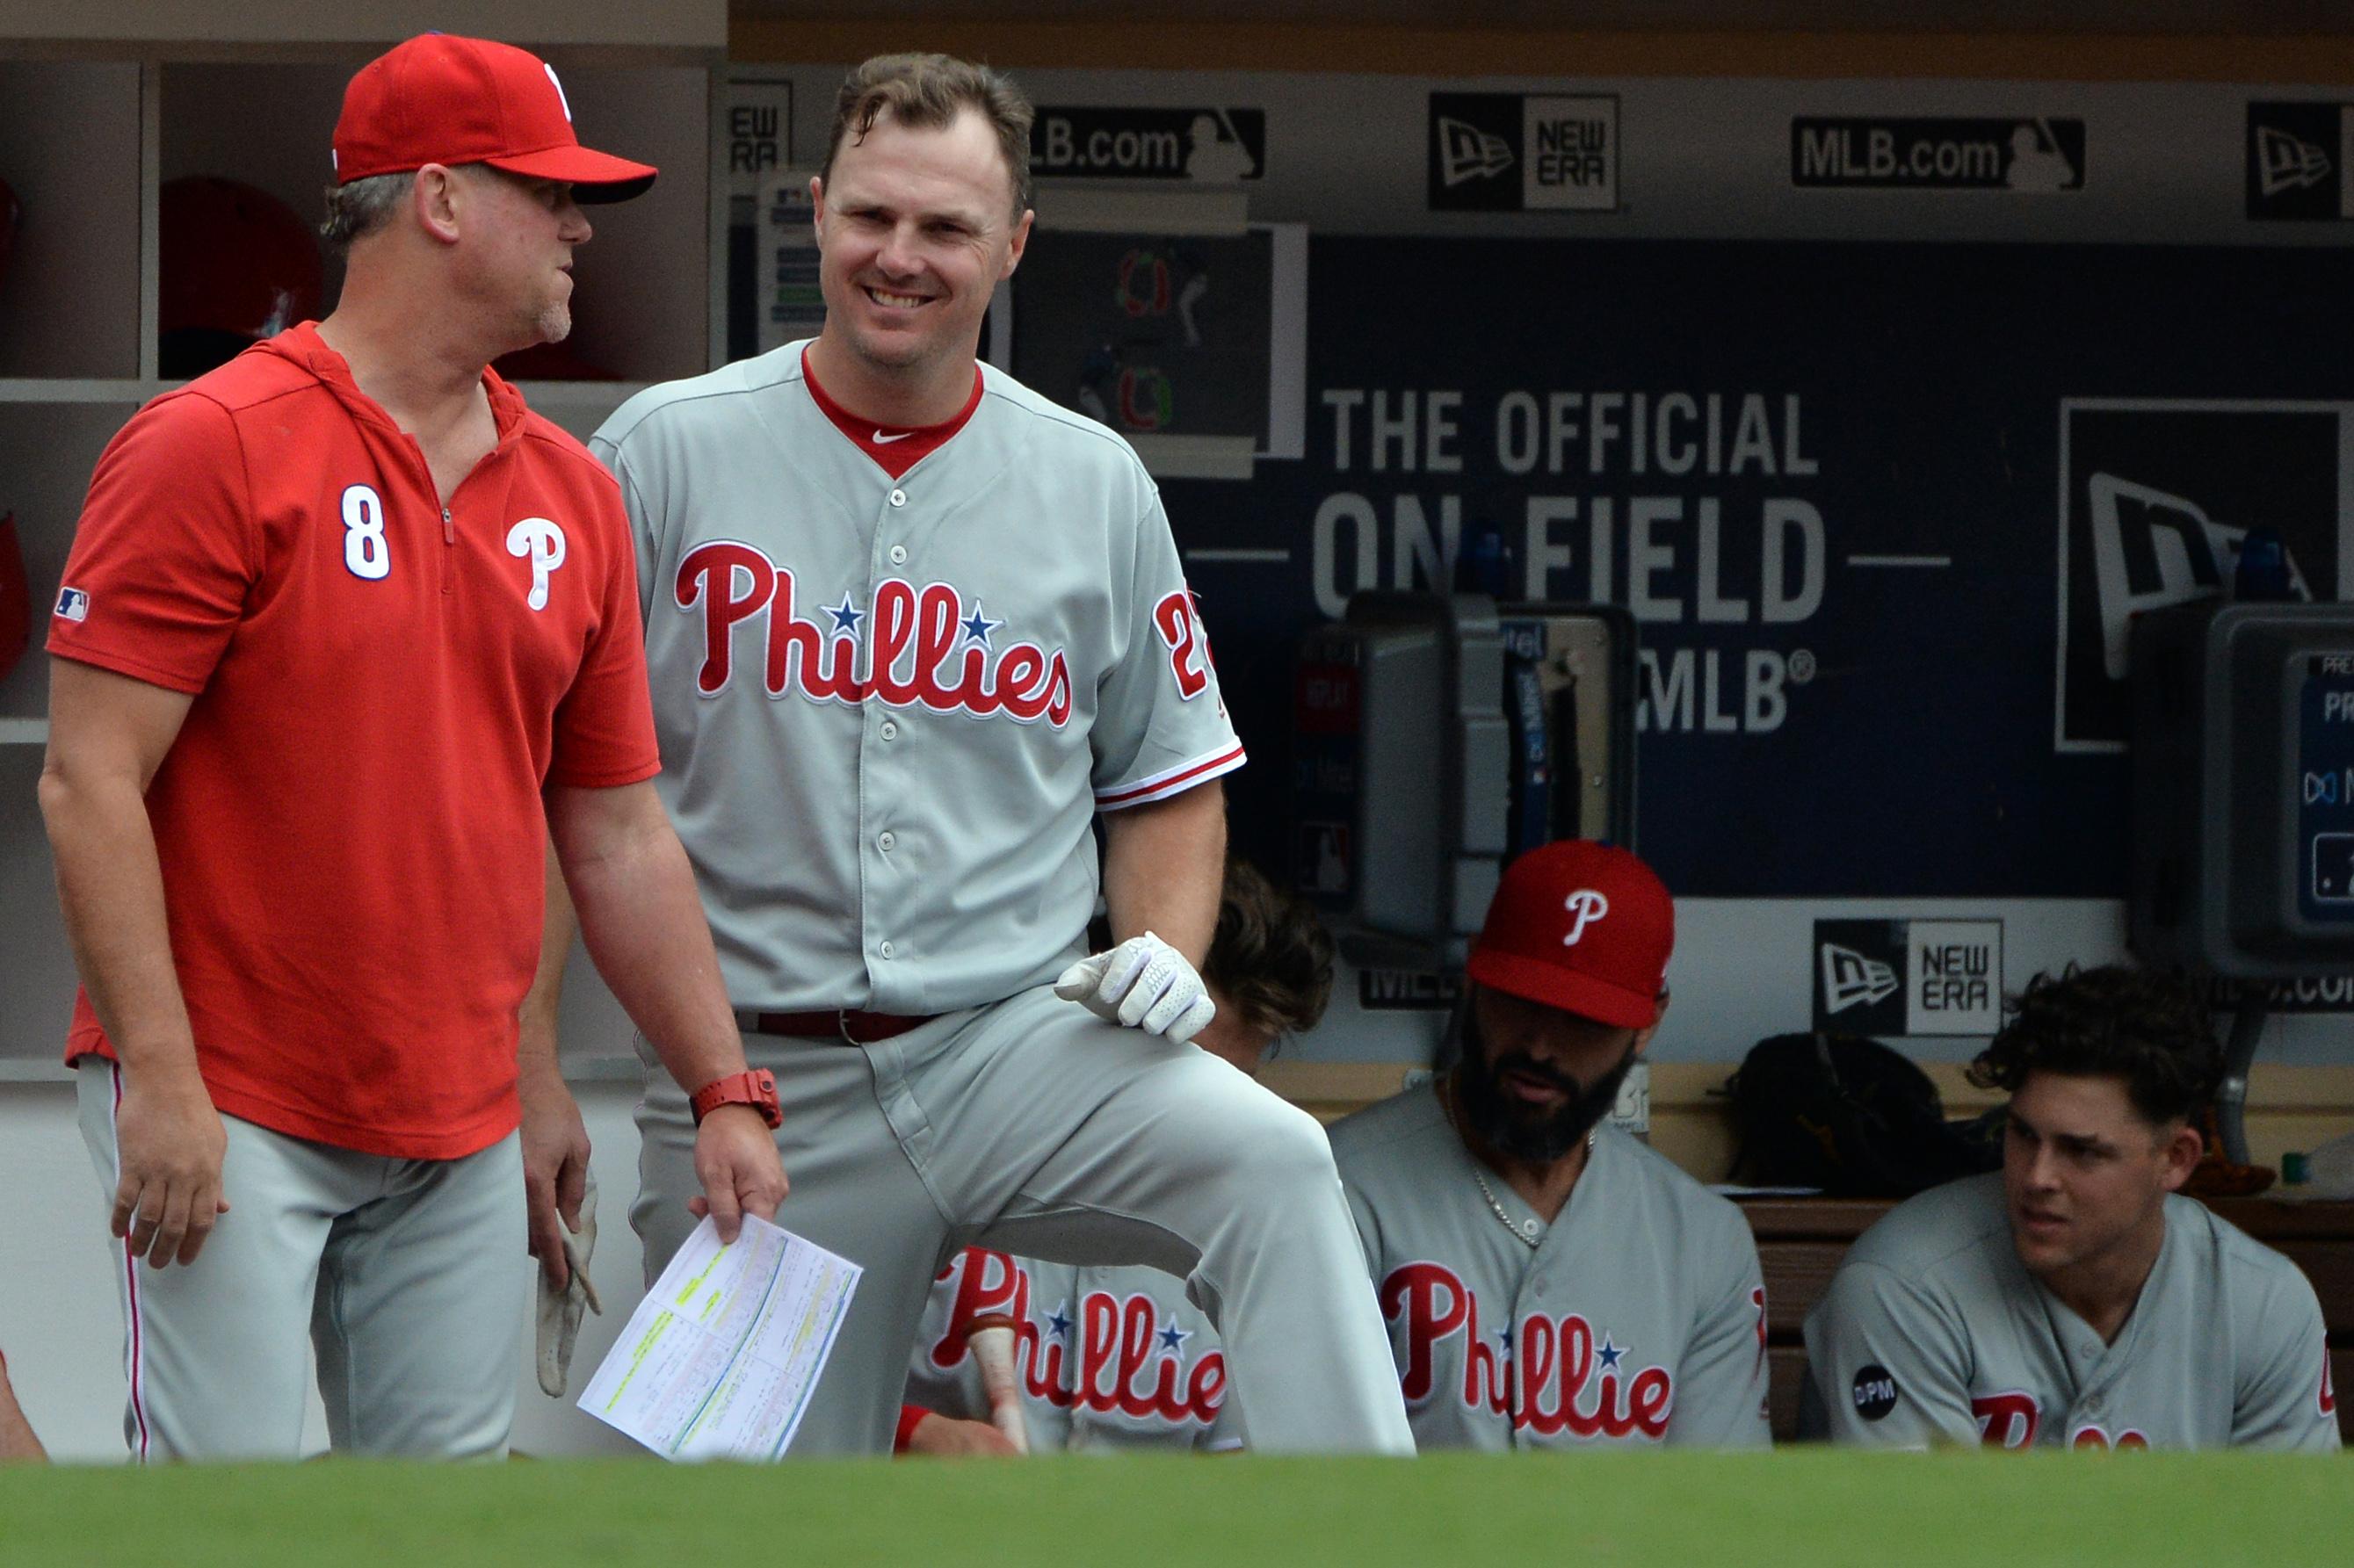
{"type": "Point", "coordinates": [1581, 926]}
{"type": "Point", "coordinates": [440, 99]}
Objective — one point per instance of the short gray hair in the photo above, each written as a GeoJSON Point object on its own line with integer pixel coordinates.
{"type": "Point", "coordinates": [361, 208]}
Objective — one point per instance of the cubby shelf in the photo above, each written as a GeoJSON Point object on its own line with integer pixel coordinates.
{"type": "Point", "coordinates": [88, 135]}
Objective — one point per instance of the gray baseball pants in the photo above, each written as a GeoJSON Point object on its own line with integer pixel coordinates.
{"type": "Point", "coordinates": [409, 1275]}
{"type": "Point", "coordinates": [1032, 1127]}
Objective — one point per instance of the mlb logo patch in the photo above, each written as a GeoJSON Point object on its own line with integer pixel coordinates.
{"type": "Point", "coordinates": [73, 604]}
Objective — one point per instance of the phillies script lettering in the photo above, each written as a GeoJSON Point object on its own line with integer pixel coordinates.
{"type": "Point", "coordinates": [1122, 1368]}
{"type": "Point", "coordinates": [2007, 1420]}
{"type": "Point", "coordinates": [1555, 1390]}
{"type": "Point", "coordinates": [913, 646]}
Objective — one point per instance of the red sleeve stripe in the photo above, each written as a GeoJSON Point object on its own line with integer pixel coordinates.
{"type": "Point", "coordinates": [1175, 781]}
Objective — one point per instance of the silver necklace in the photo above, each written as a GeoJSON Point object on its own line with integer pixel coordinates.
{"type": "Point", "coordinates": [1531, 1232]}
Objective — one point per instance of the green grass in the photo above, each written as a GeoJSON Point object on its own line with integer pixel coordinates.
{"type": "Point", "coordinates": [1815, 1509]}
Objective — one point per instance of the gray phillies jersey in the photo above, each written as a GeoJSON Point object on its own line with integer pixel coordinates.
{"type": "Point", "coordinates": [889, 709]}
{"type": "Point", "coordinates": [1107, 1358]}
{"type": "Point", "coordinates": [1640, 1318]}
{"type": "Point", "coordinates": [1933, 1331]}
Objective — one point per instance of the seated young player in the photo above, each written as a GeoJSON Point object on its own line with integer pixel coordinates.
{"type": "Point", "coordinates": [2075, 1298]}
{"type": "Point", "coordinates": [1548, 1280]}
{"type": "Point", "coordinates": [1116, 1358]}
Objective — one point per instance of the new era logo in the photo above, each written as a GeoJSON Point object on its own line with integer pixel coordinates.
{"type": "Point", "coordinates": [2151, 549]}
{"type": "Point", "coordinates": [1851, 979]}
{"type": "Point", "coordinates": [1468, 153]}
{"type": "Point", "coordinates": [73, 604]}
{"type": "Point", "coordinates": [2287, 163]}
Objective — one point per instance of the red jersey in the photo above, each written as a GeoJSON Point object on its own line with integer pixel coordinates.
{"type": "Point", "coordinates": [349, 823]}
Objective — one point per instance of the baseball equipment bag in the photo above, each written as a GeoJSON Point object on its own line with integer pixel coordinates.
{"type": "Point", "coordinates": [1849, 1116]}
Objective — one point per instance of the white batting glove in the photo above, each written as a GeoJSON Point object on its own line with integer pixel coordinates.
{"type": "Point", "coordinates": [559, 1310]}
{"type": "Point", "coordinates": [1144, 983]}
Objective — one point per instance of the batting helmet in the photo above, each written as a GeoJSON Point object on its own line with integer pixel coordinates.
{"type": "Point", "coordinates": [236, 266]}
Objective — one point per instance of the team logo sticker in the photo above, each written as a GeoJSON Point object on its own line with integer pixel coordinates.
{"type": "Point", "coordinates": [1874, 1392]}
{"type": "Point", "coordinates": [1908, 977]}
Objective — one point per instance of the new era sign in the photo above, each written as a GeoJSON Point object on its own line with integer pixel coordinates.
{"type": "Point", "coordinates": [1908, 977]}
{"type": "Point", "coordinates": [1510, 152]}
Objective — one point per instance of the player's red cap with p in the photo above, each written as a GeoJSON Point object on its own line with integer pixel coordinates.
{"type": "Point", "coordinates": [440, 99]}
{"type": "Point", "coordinates": [1583, 927]}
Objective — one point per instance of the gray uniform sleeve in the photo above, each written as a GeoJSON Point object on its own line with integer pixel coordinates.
{"type": "Point", "coordinates": [2283, 1399]}
{"type": "Point", "coordinates": [1369, 1231]}
{"type": "Point", "coordinates": [644, 524]}
{"type": "Point", "coordinates": [1160, 723]}
{"type": "Point", "coordinates": [1720, 1381]}
{"type": "Point", "coordinates": [1891, 1363]}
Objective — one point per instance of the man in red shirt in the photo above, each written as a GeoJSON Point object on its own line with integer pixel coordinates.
{"type": "Point", "coordinates": [347, 634]}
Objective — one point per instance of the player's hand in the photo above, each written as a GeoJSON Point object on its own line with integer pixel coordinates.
{"type": "Point", "coordinates": [554, 1168]}
{"type": "Point", "coordinates": [735, 1160]}
{"type": "Point", "coordinates": [169, 1143]}
{"type": "Point", "coordinates": [943, 1436]}
{"type": "Point", "coordinates": [1144, 983]}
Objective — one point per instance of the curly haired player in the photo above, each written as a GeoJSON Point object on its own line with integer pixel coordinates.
{"type": "Point", "coordinates": [2075, 1298]}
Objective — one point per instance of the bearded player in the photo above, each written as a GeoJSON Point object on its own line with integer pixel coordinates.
{"type": "Point", "coordinates": [2075, 1298]}
{"type": "Point", "coordinates": [1548, 1280]}
{"type": "Point", "coordinates": [1105, 1359]}
{"type": "Point", "coordinates": [912, 631]}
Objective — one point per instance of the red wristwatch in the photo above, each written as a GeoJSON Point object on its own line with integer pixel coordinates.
{"type": "Point", "coordinates": [757, 1088]}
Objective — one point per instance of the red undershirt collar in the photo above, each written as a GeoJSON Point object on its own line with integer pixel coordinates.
{"type": "Point", "coordinates": [896, 448]}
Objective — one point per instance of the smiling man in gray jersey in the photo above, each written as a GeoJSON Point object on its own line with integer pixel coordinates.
{"type": "Point", "coordinates": [2076, 1298]}
{"type": "Point", "coordinates": [912, 630]}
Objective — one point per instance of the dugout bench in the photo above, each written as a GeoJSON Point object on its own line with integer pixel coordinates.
{"type": "Point", "coordinates": [1800, 1242]}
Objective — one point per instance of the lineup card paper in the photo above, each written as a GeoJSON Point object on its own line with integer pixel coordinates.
{"type": "Point", "coordinates": [719, 1360]}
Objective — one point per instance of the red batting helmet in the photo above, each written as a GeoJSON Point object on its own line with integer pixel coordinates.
{"type": "Point", "coordinates": [236, 266]}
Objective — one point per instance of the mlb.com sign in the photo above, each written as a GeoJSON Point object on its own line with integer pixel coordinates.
{"type": "Point", "coordinates": [1908, 977]}
{"type": "Point", "coordinates": [1510, 152]}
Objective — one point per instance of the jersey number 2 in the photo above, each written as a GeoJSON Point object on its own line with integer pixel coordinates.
{"type": "Point", "coordinates": [1188, 650]}
{"type": "Point", "coordinates": [364, 549]}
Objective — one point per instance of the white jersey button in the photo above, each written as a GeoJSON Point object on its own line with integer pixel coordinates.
{"type": "Point", "coordinates": [885, 949]}
{"type": "Point", "coordinates": [890, 730]}
{"type": "Point", "coordinates": [898, 498]}
{"type": "Point", "coordinates": [887, 841]}
{"type": "Point", "coordinates": [898, 555]}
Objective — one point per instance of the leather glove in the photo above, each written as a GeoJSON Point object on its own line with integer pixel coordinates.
{"type": "Point", "coordinates": [1144, 983]}
{"type": "Point", "coordinates": [559, 1310]}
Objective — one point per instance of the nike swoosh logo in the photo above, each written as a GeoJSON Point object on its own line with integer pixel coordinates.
{"type": "Point", "coordinates": [882, 440]}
